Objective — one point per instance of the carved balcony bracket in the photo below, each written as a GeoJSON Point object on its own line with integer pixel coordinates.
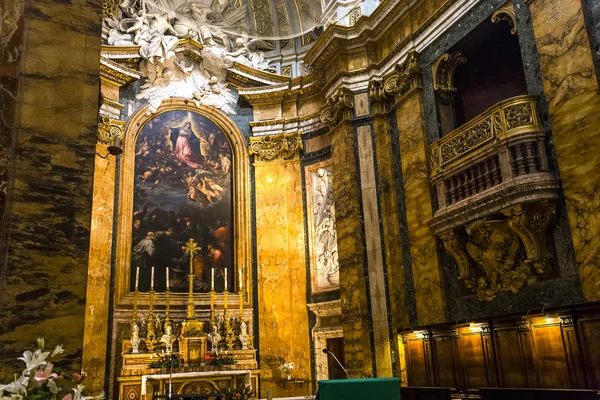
{"type": "Point", "coordinates": [455, 245]}
{"type": "Point", "coordinates": [530, 222]}
{"type": "Point", "coordinates": [280, 147]}
{"type": "Point", "coordinates": [496, 255]}
{"type": "Point", "coordinates": [443, 73]}
{"type": "Point", "coordinates": [506, 13]}
{"type": "Point", "coordinates": [339, 107]}
{"type": "Point", "coordinates": [109, 130]}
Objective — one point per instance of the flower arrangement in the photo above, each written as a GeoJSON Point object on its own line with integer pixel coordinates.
{"type": "Point", "coordinates": [220, 360]}
{"type": "Point", "coordinates": [164, 361]}
{"type": "Point", "coordinates": [38, 381]}
{"type": "Point", "coordinates": [242, 392]}
{"type": "Point", "coordinates": [287, 367]}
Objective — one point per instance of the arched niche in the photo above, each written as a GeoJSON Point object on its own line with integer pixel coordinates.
{"type": "Point", "coordinates": [240, 210]}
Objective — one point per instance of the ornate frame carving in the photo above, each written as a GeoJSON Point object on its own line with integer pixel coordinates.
{"type": "Point", "coordinates": [506, 13]}
{"type": "Point", "coordinates": [241, 211]}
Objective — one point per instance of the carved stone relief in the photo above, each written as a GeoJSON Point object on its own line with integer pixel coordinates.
{"type": "Point", "coordinates": [324, 266]}
{"type": "Point", "coordinates": [502, 254]}
{"type": "Point", "coordinates": [276, 147]}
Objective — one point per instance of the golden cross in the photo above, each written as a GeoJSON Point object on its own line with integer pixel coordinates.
{"type": "Point", "coordinates": [192, 247]}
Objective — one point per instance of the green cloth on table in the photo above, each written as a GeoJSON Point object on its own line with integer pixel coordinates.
{"type": "Point", "coordinates": [360, 389]}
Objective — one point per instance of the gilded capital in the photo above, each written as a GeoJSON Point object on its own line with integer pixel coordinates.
{"type": "Point", "coordinates": [339, 107]}
{"type": "Point", "coordinates": [276, 147]}
{"type": "Point", "coordinates": [109, 129]}
{"type": "Point", "coordinates": [406, 77]}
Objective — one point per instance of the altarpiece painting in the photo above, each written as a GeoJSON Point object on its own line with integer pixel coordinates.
{"type": "Point", "coordinates": [182, 191]}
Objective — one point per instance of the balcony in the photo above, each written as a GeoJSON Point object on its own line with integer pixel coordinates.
{"type": "Point", "coordinates": [492, 182]}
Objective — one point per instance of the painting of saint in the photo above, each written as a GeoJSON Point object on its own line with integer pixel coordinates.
{"type": "Point", "coordinates": [182, 191]}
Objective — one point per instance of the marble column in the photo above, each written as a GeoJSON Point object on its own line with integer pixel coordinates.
{"type": "Point", "coordinates": [428, 288]}
{"type": "Point", "coordinates": [282, 311]}
{"type": "Point", "coordinates": [101, 239]}
{"type": "Point", "coordinates": [46, 232]}
{"type": "Point", "coordinates": [353, 284]}
{"type": "Point", "coordinates": [389, 214]}
{"type": "Point", "coordinates": [571, 88]}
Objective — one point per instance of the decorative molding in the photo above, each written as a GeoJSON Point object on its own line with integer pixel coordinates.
{"type": "Point", "coordinates": [339, 107]}
{"type": "Point", "coordinates": [110, 108]}
{"type": "Point", "coordinates": [443, 73]}
{"type": "Point", "coordinates": [109, 129]}
{"type": "Point", "coordinates": [407, 76]}
{"type": "Point", "coordinates": [506, 13]}
{"type": "Point", "coordinates": [354, 16]}
{"type": "Point", "coordinates": [455, 246]}
{"type": "Point", "coordinates": [110, 8]}
{"type": "Point", "coordinates": [523, 325]}
{"type": "Point", "coordinates": [530, 223]}
{"type": "Point", "coordinates": [567, 320]}
{"type": "Point", "coordinates": [276, 147]}
{"type": "Point", "coordinates": [117, 74]}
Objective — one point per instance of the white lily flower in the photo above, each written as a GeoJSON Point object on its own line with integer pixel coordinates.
{"type": "Point", "coordinates": [18, 387]}
{"type": "Point", "coordinates": [33, 360]}
{"type": "Point", "coordinates": [57, 350]}
{"type": "Point", "coordinates": [41, 342]}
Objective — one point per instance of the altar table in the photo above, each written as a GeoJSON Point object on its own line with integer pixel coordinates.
{"type": "Point", "coordinates": [184, 375]}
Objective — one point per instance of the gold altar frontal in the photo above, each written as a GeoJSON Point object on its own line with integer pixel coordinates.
{"type": "Point", "coordinates": [200, 379]}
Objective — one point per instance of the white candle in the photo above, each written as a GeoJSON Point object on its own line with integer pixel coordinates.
{"type": "Point", "coordinates": [225, 279]}
{"type": "Point", "coordinates": [240, 279]}
{"type": "Point", "coordinates": [152, 279]}
{"type": "Point", "coordinates": [167, 278]}
{"type": "Point", "coordinates": [137, 278]}
{"type": "Point", "coordinates": [212, 279]}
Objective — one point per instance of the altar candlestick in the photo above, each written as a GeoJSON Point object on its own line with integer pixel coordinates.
{"type": "Point", "coordinates": [167, 278]}
{"type": "Point", "coordinates": [212, 279]}
{"type": "Point", "coordinates": [137, 278]}
{"type": "Point", "coordinates": [225, 279]}
{"type": "Point", "coordinates": [240, 279]}
{"type": "Point", "coordinates": [152, 279]}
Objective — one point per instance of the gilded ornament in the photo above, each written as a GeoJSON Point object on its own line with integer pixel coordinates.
{"type": "Point", "coordinates": [110, 129]}
{"type": "Point", "coordinates": [443, 73]}
{"type": "Point", "coordinates": [506, 13]}
{"type": "Point", "coordinates": [338, 107]}
{"type": "Point", "coordinates": [276, 147]}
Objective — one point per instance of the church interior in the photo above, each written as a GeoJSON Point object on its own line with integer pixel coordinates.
{"type": "Point", "coordinates": [262, 199]}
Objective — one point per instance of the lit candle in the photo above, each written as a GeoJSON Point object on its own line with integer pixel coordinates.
{"type": "Point", "coordinates": [167, 278]}
{"type": "Point", "coordinates": [212, 279]}
{"type": "Point", "coordinates": [152, 279]}
{"type": "Point", "coordinates": [137, 278]}
{"type": "Point", "coordinates": [225, 279]}
{"type": "Point", "coordinates": [240, 279]}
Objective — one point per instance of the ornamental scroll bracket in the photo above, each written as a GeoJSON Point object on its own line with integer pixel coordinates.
{"type": "Point", "coordinates": [109, 130]}
{"type": "Point", "coordinates": [506, 13]}
{"type": "Point", "coordinates": [276, 147]}
{"type": "Point", "coordinates": [443, 73]}
{"type": "Point", "coordinates": [504, 254]}
{"type": "Point", "coordinates": [406, 77]}
{"type": "Point", "coordinates": [339, 107]}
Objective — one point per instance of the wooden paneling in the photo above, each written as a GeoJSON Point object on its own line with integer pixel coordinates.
{"type": "Point", "coordinates": [558, 350]}
{"type": "Point", "coordinates": [473, 360]}
{"type": "Point", "coordinates": [511, 368]}
{"type": "Point", "coordinates": [589, 329]}
{"type": "Point", "coordinates": [550, 357]}
{"type": "Point", "coordinates": [445, 354]}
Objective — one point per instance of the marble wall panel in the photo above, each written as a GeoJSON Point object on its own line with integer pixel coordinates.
{"type": "Point", "coordinates": [353, 290]}
{"type": "Point", "coordinates": [46, 253]}
{"type": "Point", "coordinates": [375, 260]}
{"type": "Point", "coordinates": [282, 311]}
{"type": "Point", "coordinates": [391, 226]}
{"type": "Point", "coordinates": [429, 293]}
{"type": "Point", "coordinates": [571, 90]}
{"type": "Point", "coordinates": [317, 143]}
{"type": "Point", "coordinates": [11, 26]}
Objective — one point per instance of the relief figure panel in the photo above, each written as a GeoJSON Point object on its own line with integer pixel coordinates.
{"type": "Point", "coordinates": [324, 264]}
